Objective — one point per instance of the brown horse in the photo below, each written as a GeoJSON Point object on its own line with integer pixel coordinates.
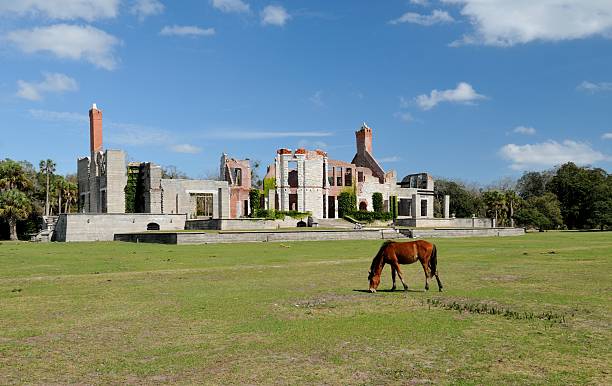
{"type": "Point", "coordinates": [394, 254]}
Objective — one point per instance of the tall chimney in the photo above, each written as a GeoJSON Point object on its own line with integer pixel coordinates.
{"type": "Point", "coordinates": [364, 139]}
{"type": "Point", "coordinates": [95, 129]}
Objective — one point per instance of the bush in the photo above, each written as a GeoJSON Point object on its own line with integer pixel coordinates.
{"type": "Point", "coordinates": [368, 217]}
{"type": "Point", "coordinates": [393, 207]}
{"type": "Point", "coordinates": [377, 202]}
{"type": "Point", "coordinates": [347, 203]}
{"type": "Point", "coordinates": [279, 214]}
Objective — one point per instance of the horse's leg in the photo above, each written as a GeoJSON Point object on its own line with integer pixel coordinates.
{"type": "Point", "coordinates": [426, 276]}
{"type": "Point", "coordinates": [393, 277]}
{"type": "Point", "coordinates": [399, 273]}
{"type": "Point", "coordinates": [439, 282]}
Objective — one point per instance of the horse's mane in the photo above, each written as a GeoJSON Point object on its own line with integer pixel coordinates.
{"type": "Point", "coordinates": [378, 257]}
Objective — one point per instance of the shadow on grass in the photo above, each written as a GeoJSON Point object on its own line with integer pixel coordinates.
{"type": "Point", "coordinates": [388, 290]}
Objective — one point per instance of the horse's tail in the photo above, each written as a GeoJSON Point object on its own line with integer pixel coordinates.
{"type": "Point", "coordinates": [433, 260]}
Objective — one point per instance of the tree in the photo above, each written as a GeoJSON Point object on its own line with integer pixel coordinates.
{"type": "Point", "coordinates": [71, 194]}
{"type": "Point", "coordinates": [14, 205]}
{"type": "Point", "coordinates": [256, 182]}
{"type": "Point", "coordinates": [47, 167]}
{"type": "Point", "coordinates": [533, 184]}
{"type": "Point", "coordinates": [13, 176]}
{"type": "Point", "coordinates": [496, 204]}
{"type": "Point", "coordinates": [583, 194]}
{"type": "Point", "coordinates": [542, 212]}
{"type": "Point", "coordinates": [464, 202]}
{"type": "Point", "coordinates": [255, 200]}
{"type": "Point", "coordinates": [377, 202]}
{"type": "Point", "coordinates": [173, 173]}
{"type": "Point", "coordinates": [513, 200]}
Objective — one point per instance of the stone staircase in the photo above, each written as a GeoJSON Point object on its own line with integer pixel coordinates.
{"type": "Point", "coordinates": [48, 227]}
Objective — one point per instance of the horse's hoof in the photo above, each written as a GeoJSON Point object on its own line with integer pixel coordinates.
{"type": "Point", "coordinates": [440, 289]}
{"type": "Point", "coordinates": [426, 289]}
{"type": "Point", "coordinates": [393, 288]}
{"type": "Point", "coordinates": [372, 290]}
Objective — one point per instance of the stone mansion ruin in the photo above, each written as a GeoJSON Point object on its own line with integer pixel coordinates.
{"type": "Point", "coordinates": [119, 197]}
{"type": "Point", "coordinates": [308, 180]}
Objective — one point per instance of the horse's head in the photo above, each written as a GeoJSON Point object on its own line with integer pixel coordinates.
{"type": "Point", "coordinates": [374, 280]}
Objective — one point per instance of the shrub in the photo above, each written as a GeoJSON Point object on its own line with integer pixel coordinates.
{"type": "Point", "coordinates": [377, 202]}
{"type": "Point", "coordinates": [347, 203]}
{"type": "Point", "coordinates": [368, 217]}
{"type": "Point", "coordinates": [279, 215]}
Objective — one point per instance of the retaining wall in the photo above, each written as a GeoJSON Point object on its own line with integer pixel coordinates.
{"type": "Point", "coordinates": [467, 232]}
{"type": "Point", "coordinates": [478, 222]}
{"type": "Point", "coordinates": [103, 227]}
{"type": "Point", "coordinates": [241, 224]}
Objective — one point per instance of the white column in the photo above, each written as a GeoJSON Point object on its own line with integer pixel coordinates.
{"type": "Point", "coordinates": [447, 206]}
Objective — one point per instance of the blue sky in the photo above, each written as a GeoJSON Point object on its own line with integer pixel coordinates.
{"type": "Point", "coordinates": [457, 88]}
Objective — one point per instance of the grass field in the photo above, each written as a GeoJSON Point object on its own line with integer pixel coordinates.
{"type": "Point", "coordinates": [535, 309]}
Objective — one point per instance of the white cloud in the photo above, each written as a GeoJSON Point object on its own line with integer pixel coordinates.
{"type": "Point", "coordinates": [390, 159]}
{"type": "Point", "coordinates": [186, 30]}
{"type": "Point", "coordinates": [230, 6]}
{"type": "Point", "coordinates": [68, 42]}
{"type": "Point", "coordinates": [524, 130]}
{"type": "Point", "coordinates": [185, 148]}
{"type": "Point", "coordinates": [436, 17]}
{"type": "Point", "coordinates": [606, 136]}
{"type": "Point", "coordinates": [274, 15]}
{"type": "Point", "coordinates": [594, 87]}
{"type": "Point", "coordinates": [61, 9]}
{"type": "Point", "coordinates": [463, 93]}
{"type": "Point", "coordinates": [405, 102]}
{"type": "Point", "coordinates": [61, 116]}
{"type": "Point", "coordinates": [404, 116]}
{"type": "Point", "coordinates": [306, 144]}
{"type": "Point", "coordinates": [506, 23]}
{"type": "Point", "coordinates": [550, 153]}
{"type": "Point", "coordinates": [132, 134]}
{"type": "Point", "coordinates": [423, 3]}
{"type": "Point", "coordinates": [253, 134]}
{"type": "Point", "coordinates": [53, 82]}
{"type": "Point", "coordinates": [146, 8]}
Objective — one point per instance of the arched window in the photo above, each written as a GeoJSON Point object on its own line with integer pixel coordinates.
{"type": "Point", "coordinates": [363, 205]}
{"type": "Point", "coordinates": [152, 226]}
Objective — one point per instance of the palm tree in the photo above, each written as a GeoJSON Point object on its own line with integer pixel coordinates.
{"type": "Point", "coordinates": [71, 192]}
{"type": "Point", "coordinates": [512, 199]}
{"type": "Point", "coordinates": [496, 202]}
{"type": "Point", "coordinates": [14, 205]}
{"type": "Point", "coordinates": [48, 168]}
{"type": "Point", "coordinates": [13, 176]}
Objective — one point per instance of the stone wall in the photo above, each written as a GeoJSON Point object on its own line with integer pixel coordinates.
{"type": "Point", "coordinates": [472, 232]}
{"type": "Point", "coordinates": [102, 227]}
{"type": "Point", "coordinates": [177, 196]}
{"type": "Point", "coordinates": [114, 180]}
{"type": "Point", "coordinates": [241, 237]}
{"type": "Point", "coordinates": [445, 222]}
{"type": "Point", "coordinates": [241, 224]}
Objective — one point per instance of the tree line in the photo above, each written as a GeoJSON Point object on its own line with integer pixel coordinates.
{"type": "Point", "coordinates": [27, 194]}
{"type": "Point", "coordinates": [566, 197]}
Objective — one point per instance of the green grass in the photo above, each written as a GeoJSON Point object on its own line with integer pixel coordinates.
{"type": "Point", "coordinates": [293, 313]}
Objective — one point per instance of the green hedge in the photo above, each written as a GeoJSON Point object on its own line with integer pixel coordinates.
{"type": "Point", "coordinates": [364, 216]}
{"type": "Point", "coordinates": [279, 214]}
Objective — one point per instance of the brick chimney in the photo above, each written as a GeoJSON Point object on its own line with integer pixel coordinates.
{"type": "Point", "coordinates": [95, 129]}
{"type": "Point", "coordinates": [364, 139]}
